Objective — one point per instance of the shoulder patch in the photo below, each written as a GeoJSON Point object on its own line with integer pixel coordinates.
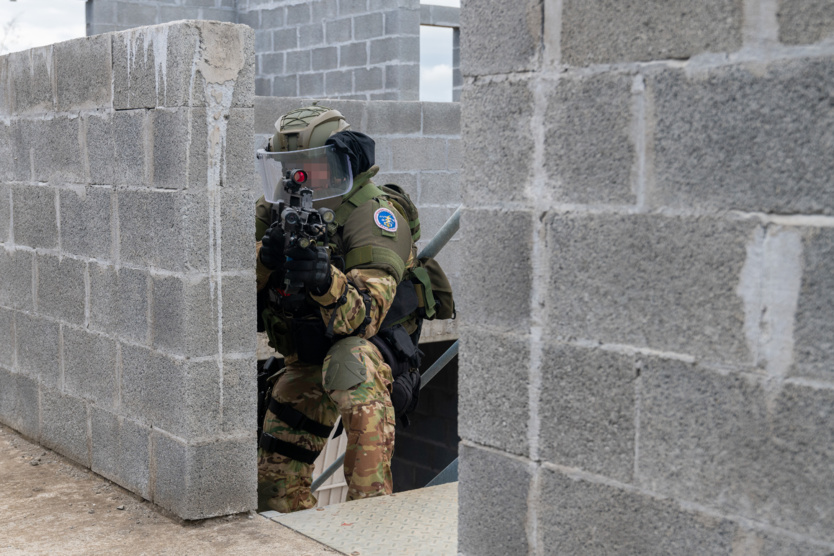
{"type": "Point", "coordinates": [384, 218]}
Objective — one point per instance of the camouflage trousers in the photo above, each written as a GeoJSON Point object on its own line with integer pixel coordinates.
{"type": "Point", "coordinates": [367, 415]}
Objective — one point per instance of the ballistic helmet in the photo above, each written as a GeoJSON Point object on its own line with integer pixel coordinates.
{"type": "Point", "coordinates": [306, 128]}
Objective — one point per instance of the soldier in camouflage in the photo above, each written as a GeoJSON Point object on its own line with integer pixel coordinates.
{"type": "Point", "coordinates": [331, 368]}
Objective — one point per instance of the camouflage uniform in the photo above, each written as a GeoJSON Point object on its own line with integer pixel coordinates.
{"type": "Point", "coordinates": [367, 290]}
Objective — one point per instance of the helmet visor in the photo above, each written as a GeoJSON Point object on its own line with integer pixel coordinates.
{"type": "Point", "coordinates": [323, 170]}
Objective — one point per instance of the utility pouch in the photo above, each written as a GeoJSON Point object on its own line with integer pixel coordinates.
{"type": "Point", "coordinates": [441, 289]}
{"type": "Point", "coordinates": [406, 387]}
{"type": "Point", "coordinates": [278, 332]}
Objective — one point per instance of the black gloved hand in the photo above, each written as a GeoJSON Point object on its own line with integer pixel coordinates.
{"type": "Point", "coordinates": [311, 267]}
{"type": "Point", "coordinates": [272, 249]}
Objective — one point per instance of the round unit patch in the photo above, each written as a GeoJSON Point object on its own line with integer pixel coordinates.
{"type": "Point", "coordinates": [385, 219]}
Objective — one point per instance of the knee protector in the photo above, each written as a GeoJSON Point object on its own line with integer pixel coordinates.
{"type": "Point", "coordinates": [343, 367]}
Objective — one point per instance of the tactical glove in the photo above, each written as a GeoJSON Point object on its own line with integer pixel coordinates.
{"type": "Point", "coordinates": [272, 248]}
{"type": "Point", "coordinates": [311, 267]}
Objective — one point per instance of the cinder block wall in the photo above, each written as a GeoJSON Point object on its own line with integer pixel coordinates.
{"type": "Point", "coordinates": [647, 363]}
{"type": "Point", "coordinates": [418, 146]}
{"type": "Point", "coordinates": [126, 334]}
{"type": "Point", "coordinates": [358, 49]}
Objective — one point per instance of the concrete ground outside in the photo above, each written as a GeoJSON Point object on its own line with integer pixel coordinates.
{"type": "Point", "coordinates": [49, 505]}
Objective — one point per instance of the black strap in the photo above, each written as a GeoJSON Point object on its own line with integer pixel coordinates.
{"type": "Point", "coordinates": [272, 444]}
{"type": "Point", "coordinates": [298, 420]}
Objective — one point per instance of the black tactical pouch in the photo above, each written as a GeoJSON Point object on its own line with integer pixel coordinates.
{"type": "Point", "coordinates": [311, 341]}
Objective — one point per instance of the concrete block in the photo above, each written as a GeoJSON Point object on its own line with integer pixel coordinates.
{"type": "Point", "coordinates": [352, 6]}
{"type": "Point", "coordinates": [324, 59]}
{"type": "Point", "coordinates": [17, 270]}
{"type": "Point", "coordinates": [441, 118]}
{"type": "Point", "coordinates": [101, 147]}
{"type": "Point", "coordinates": [20, 403]}
{"type": "Point", "coordinates": [179, 148]}
{"type": "Point", "coordinates": [82, 73]}
{"type": "Point", "coordinates": [736, 444]}
{"type": "Point", "coordinates": [311, 84]}
{"type": "Point", "coordinates": [298, 14]}
{"type": "Point", "coordinates": [269, 109]}
{"type": "Point", "coordinates": [63, 162]}
{"type": "Point", "coordinates": [263, 87]}
{"type": "Point", "coordinates": [180, 397]}
{"type": "Point", "coordinates": [61, 288]}
{"type": "Point", "coordinates": [240, 403]}
{"type": "Point", "coordinates": [121, 450]}
{"type": "Point", "coordinates": [197, 482]}
{"type": "Point", "coordinates": [407, 180]}
{"type": "Point", "coordinates": [285, 39]}
{"type": "Point", "coordinates": [244, 87]}
{"type": "Point", "coordinates": [32, 84]}
{"type": "Point", "coordinates": [136, 15]}
{"type": "Point", "coordinates": [263, 41]}
{"type": "Point", "coordinates": [272, 18]}
{"type": "Point", "coordinates": [119, 302]}
{"type": "Point", "coordinates": [271, 63]}
{"type": "Point", "coordinates": [483, 526]}
{"type": "Point", "coordinates": [85, 221]}
{"type": "Point", "coordinates": [164, 230]}
{"type": "Point", "coordinates": [15, 140]}
{"type": "Point", "coordinates": [518, 24]}
{"type": "Point", "coordinates": [35, 222]}
{"type": "Point", "coordinates": [64, 425]}
{"type": "Point", "coordinates": [385, 118]}
{"type": "Point", "coordinates": [184, 316]}
{"type": "Point", "coordinates": [368, 79]}
{"type": "Point", "coordinates": [285, 86]}
{"type": "Point", "coordinates": [353, 55]}
{"type": "Point", "coordinates": [310, 35]}
{"type": "Point", "coordinates": [227, 16]}
{"type": "Point", "coordinates": [745, 138]}
{"type": "Point", "coordinates": [589, 149]}
{"type": "Point", "coordinates": [402, 22]}
{"type": "Point", "coordinates": [666, 283]}
{"type": "Point", "coordinates": [600, 31]}
{"type": "Point", "coordinates": [338, 31]}
{"type": "Point", "coordinates": [489, 363]}
{"type": "Point", "coordinates": [418, 153]}
{"type": "Point", "coordinates": [38, 348]}
{"type": "Point", "coordinates": [442, 16]}
{"type": "Point", "coordinates": [586, 410]}
{"type": "Point", "coordinates": [805, 22]}
{"type": "Point", "coordinates": [130, 131]}
{"type": "Point", "coordinates": [5, 211]}
{"type": "Point", "coordinates": [368, 26]}
{"type": "Point", "coordinates": [237, 168]}
{"type": "Point", "coordinates": [432, 219]}
{"type": "Point", "coordinates": [440, 188]}
{"type": "Point", "coordinates": [252, 19]}
{"type": "Point", "coordinates": [90, 371]}
{"type": "Point", "coordinates": [496, 142]}
{"type": "Point", "coordinates": [404, 80]}
{"type": "Point", "coordinates": [153, 66]}
{"type": "Point", "coordinates": [324, 9]}
{"type": "Point", "coordinates": [299, 61]}
{"type": "Point", "coordinates": [580, 517]}
{"type": "Point", "coordinates": [239, 306]}
{"type": "Point", "coordinates": [493, 265]}
{"type": "Point", "coordinates": [7, 339]}
{"type": "Point", "coordinates": [338, 82]}
{"type": "Point", "coordinates": [814, 326]}
{"type": "Point", "coordinates": [772, 544]}
{"type": "Point", "coordinates": [395, 49]}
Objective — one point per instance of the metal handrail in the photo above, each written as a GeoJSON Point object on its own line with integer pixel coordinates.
{"type": "Point", "coordinates": [440, 239]}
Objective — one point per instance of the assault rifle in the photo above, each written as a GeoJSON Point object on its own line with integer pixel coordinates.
{"type": "Point", "coordinates": [302, 225]}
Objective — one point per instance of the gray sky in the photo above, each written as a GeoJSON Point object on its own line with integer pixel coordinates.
{"type": "Point", "coordinates": [41, 22]}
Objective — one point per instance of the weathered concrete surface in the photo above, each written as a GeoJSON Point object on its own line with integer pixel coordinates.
{"type": "Point", "coordinates": [49, 505]}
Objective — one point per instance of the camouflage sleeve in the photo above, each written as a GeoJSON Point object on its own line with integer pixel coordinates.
{"type": "Point", "coordinates": [379, 285]}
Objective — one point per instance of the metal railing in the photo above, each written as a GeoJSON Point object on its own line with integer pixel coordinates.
{"type": "Point", "coordinates": [440, 239]}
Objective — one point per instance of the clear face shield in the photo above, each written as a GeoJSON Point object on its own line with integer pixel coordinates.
{"type": "Point", "coordinates": [322, 170]}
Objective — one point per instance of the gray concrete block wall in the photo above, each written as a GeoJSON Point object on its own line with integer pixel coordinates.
{"type": "Point", "coordinates": [126, 329]}
{"type": "Point", "coordinates": [647, 356]}
{"type": "Point", "coordinates": [365, 51]}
